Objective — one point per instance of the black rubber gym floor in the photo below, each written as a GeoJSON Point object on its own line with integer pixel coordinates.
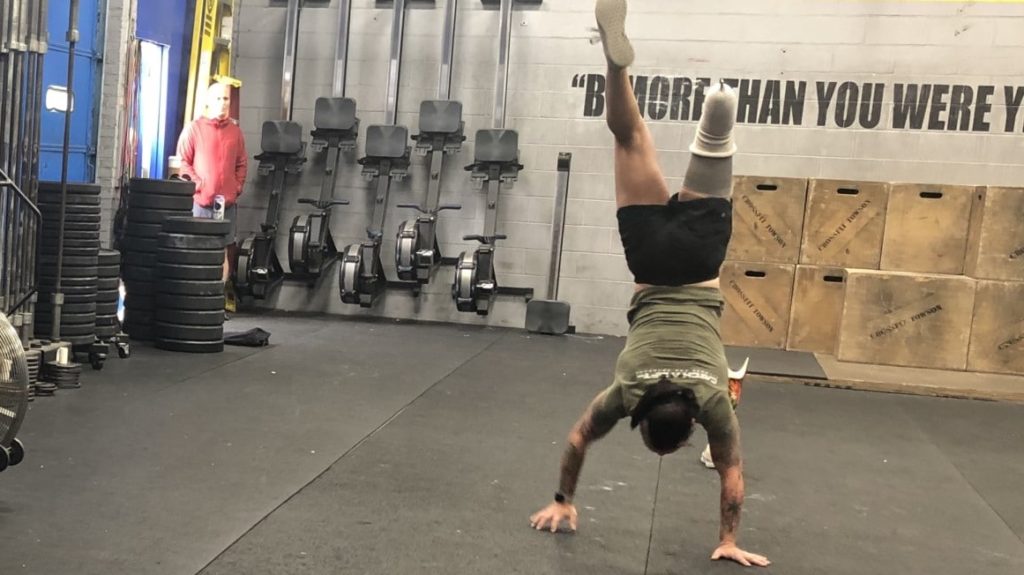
{"type": "Point", "coordinates": [396, 448]}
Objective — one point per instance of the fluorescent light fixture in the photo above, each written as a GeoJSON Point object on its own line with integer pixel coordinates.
{"type": "Point", "coordinates": [58, 98]}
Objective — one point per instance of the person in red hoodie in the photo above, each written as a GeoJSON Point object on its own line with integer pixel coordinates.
{"type": "Point", "coordinates": [212, 152]}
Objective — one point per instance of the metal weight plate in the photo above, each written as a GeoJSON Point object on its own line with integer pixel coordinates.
{"type": "Point", "coordinates": [176, 331]}
{"type": "Point", "coordinates": [189, 272]}
{"type": "Point", "coordinates": [197, 226]}
{"type": "Point", "coordinates": [190, 346]}
{"type": "Point", "coordinates": [190, 257]}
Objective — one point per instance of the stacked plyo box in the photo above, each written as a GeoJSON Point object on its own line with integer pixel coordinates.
{"type": "Point", "coordinates": [916, 309]}
{"type": "Point", "coordinates": [843, 228]}
{"type": "Point", "coordinates": [757, 277]}
{"type": "Point", "coordinates": [995, 258]}
{"type": "Point", "coordinates": [902, 274]}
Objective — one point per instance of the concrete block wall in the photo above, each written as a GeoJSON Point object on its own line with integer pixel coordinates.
{"type": "Point", "coordinates": [120, 23]}
{"type": "Point", "coordinates": [798, 48]}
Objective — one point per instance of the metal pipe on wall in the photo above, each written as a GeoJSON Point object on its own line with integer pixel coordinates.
{"type": "Point", "coordinates": [291, 39]}
{"type": "Point", "coordinates": [444, 85]}
{"type": "Point", "coordinates": [31, 108]}
{"type": "Point", "coordinates": [19, 140]}
{"type": "Point", "coordinates": [6, 197]}
{"type": "Point", "coordinates": [6, 81]}
{"type": "Point", "coordinates": [395, 65]}
{"type": "Point", "coordinates": [341, 50]}
{"type": "Point", "coordinates": [58, 296]}
{"type": "Point", "coordinates": [501, 77]}
{"type": "Point", "coordinates": [35, 220]}
{"type": "Point", "coordinates": [37, 84]}
{"type": "Point", "coordinates": [17, 60]}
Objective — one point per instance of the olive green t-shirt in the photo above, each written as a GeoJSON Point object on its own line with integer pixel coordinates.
{"type": "Point", "coordinates": [673, 332]}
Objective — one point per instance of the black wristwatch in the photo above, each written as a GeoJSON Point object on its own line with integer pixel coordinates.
{"type": "Point", "coordinates": [559, 497]}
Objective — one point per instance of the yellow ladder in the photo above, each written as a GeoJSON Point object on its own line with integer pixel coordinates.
{"type": "Point", "coordinates": [211, 52]}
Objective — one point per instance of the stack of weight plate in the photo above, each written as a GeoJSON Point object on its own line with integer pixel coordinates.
{"type": "Point", "coordinates": [107, 293]}
{"type": "Point", "coordinates": [150, 202]}
{"type": "Point", "coordinates": [64, 376]}
{"type": "Point", "coordinates": [81, 254]}
{"type": "Point", "coordinates": [34, 359]}
{"type": "Point", "coordinates": [190, 293]}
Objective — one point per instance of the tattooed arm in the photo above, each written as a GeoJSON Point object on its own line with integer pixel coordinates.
{"type": "Point", "coordinates": [594, 424]}
{"type": "Point", "coordinates": [590, 427]}
{"type": "Point", "coordinates": [725, 451]}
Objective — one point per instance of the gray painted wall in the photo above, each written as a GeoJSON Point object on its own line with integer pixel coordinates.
{"type": "Point", "coordinates": [898, 43]}
{"type": "Point", "coordinates": [120, 22]}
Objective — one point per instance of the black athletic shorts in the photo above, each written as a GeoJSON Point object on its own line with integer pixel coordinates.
{"type": "Point", "coordinates": [676, 243]}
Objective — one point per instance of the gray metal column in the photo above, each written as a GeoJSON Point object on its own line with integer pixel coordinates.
{"type": "Point", "coordinates": [501, 77]}
{"type": "Point", "coordinates": [291, 37]}
{"type": "Point", "coordinates": [395, 65]}
{"type": "Point", "coordinates": [341, 51]}
{"type": "Point", "coordinates": [444, 84]}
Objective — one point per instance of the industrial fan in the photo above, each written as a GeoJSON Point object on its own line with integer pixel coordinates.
{"type": "Point", "coordinates": [13, 394]}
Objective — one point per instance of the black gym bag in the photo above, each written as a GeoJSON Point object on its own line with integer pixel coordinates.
{"type": "Point", "coordinates": [255, 337]}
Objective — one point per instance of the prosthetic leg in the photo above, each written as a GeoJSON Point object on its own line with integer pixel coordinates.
{"type": "Point", "coordinates": [710, 168]}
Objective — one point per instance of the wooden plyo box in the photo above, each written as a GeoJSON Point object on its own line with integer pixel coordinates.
{"type": "Point", "coordinates": [995, 246]}
{"type": "Point", "coordinates": [926, 228]}
{"type": "Point", "coordinates": [767, 219]}
{"type": "Point", "coordinates": [817, 309]}
{"type": "Point", "coordinates": [757, 303]}
{"type": "Point", "coordinates": [997, 332]}
{"type": "Point", "coordinates": [907, 319]}
{"type": "Point", "coordinates": [844, 224]}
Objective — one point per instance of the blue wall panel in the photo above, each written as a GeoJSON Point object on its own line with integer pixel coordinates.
{"type": "Point", "coordinates": [170, 24]}
{"type": "Point", "coordinates": [82, 150]}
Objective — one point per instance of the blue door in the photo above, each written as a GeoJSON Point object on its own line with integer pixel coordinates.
{"type": "Point", "coordinates": [165, 33]}
{"type": "Point", "coordinates": [82, 149]}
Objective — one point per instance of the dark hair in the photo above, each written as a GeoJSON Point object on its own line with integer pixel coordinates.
{"type": "Point", "coordinates": [669, 410]}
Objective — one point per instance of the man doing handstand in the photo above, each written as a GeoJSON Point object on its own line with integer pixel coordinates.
{"type": "Point", "coordinates": [672, 372]}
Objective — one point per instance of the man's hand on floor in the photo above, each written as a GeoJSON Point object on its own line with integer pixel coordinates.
{"type": "Point", "coordinates": [731, 551]}
{"type": "Point", "coordinates": [552, 516]}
